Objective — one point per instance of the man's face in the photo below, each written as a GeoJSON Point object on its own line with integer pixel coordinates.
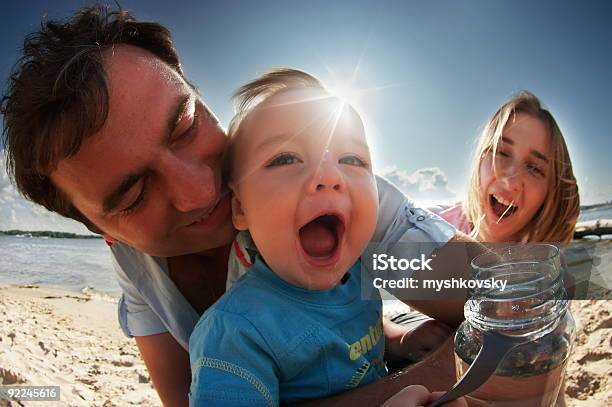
{"type": "Point", "coordinates": [304, 186]}
{"type": "Point", "coordinates": [151, 177]}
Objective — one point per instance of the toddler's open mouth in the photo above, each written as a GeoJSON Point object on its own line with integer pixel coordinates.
{"type": "Point", "coordinates": [501, 207]}
{"type": "Point", "coordinates": [320, 239]}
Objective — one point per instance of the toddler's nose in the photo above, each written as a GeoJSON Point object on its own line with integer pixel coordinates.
{"type": "Point", "coordinates": [327, 176]}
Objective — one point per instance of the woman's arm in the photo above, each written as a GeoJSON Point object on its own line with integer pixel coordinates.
{"type": "Point", "coordinates": [168, 366]}
{"type": "Point", "coordinates": [452, 260]}
{"type": "Point", "coordinates": [408, 232]}
{"type": "Point", "coordinates": [436, 372]}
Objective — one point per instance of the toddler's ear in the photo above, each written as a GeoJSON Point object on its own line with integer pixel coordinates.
{"type": "Point", "coordinates": [238, 217]}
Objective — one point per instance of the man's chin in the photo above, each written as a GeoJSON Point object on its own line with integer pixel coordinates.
{"type": "Point", "coordinates": [209, 244]}
{"type": "Point", "coordinates": [193, 244]}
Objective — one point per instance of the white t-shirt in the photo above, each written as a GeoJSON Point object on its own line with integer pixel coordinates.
{"type": "Point", "coordinates": [152, 304]}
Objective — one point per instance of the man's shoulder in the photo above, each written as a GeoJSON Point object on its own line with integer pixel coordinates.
{"type": "Point", "coordinates": [132, 262]}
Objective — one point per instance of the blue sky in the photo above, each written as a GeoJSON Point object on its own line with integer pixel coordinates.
{"type": "Point", "coordinates": [437, 70]}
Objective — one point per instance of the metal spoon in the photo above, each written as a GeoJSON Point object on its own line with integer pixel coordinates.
{"type": "Point", "coordinates": [494, 349]}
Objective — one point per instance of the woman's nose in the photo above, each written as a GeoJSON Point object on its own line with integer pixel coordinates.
{"type": "Point", "coordinates": [327, 176]}
{"type": "Point", "coordinates": [512, 181]}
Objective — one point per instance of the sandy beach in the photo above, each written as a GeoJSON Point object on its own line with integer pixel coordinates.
{"type": "Point", "coordinates": [56, 337]}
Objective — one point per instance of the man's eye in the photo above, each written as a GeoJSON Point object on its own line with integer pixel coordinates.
{"type": "Point", "coordinates": [136, 203]}
{"type": "Point", "coordinates": [191, 130]}
{"type": "Point", "coordinates": [353, 160]}
{"type": "Point", "coordinates": [283, 159]}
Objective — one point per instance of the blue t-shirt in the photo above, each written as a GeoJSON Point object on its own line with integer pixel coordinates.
{"type": "Point", "coordinates": [267, 342]}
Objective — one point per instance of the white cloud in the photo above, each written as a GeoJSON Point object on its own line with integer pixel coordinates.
{"type": "Point", "coordinates": [18, 213]}
{"type": "Point", "coordinates": [424, 185]}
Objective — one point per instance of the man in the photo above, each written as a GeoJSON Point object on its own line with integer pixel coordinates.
{"type": "Point", "coordinates": [101, 126]}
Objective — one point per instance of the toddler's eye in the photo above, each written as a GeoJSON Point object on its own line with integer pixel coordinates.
{"type": "Point", "coordinates": [283, 159]}
{"type": "Point", "coordinates": [353, 160]}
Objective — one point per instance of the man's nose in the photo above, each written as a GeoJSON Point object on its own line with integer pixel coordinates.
{"type": "Point", "coordinates": [190, 185]}
{"type": "Point", "coordinates": [327, 176]}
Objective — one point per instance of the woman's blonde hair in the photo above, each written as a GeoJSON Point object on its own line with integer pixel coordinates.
{"type": "Point", "coordinates": [556, 219]}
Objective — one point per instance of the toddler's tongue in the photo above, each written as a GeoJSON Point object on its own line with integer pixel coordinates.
{"type": "Point", "coordinates": [318, 240]}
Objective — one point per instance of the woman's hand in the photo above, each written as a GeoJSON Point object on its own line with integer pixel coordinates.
{"type": "Point", "coordinates": [416, 396]}
{"type": "Point", "coordinates": [412, 345]}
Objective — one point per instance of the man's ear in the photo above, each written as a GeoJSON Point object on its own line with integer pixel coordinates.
{"type": "Point", "coordinates": [238, 216]}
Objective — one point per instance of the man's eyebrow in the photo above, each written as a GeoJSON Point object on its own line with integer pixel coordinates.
{"type": "Point", "coordinates": [112, 200]}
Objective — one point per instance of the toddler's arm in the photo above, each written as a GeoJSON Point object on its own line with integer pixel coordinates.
{"type": "Point", "coordinates": [230, 363]}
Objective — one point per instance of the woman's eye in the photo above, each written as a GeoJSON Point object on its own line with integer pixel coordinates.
{"type": "Point", "coordinates": [353, 160]}
{"type": "Point", "coordinates": [502, 154]}
{"type": "Point", "coordinates": [535, 170]}
{"type": "Point", "coordinates": [502, 158]}
{"type": "Point", "coordinates": [283, 159]}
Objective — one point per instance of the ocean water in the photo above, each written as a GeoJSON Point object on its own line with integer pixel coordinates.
{"type": "Point", "coordinates": [68, 263]}
{"type": "Point", "coordinates": [604, 212]}
{"type": "Point", "coordinates": [79, 263]}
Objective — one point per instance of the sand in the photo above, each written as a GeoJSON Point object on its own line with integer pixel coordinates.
{"type": "Point", "coordinates": [55, 337]}
{"type": "Point", "coordinates": [589, 371]}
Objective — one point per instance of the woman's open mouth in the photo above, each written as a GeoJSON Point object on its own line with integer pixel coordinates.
{"type": "Point", "coordinates": [320, 239]}
{"type": "Point", "coordinates": [502, 208]}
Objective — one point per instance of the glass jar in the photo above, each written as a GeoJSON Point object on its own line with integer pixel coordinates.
{"type": "Point", "coordinates": [534, 307]}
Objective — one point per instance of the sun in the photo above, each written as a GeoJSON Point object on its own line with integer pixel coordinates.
{"type": "Point", "coordinates": [346, 91]}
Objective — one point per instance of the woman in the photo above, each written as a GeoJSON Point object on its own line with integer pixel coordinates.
{"type": "Point", "coordinates": [522, 187]}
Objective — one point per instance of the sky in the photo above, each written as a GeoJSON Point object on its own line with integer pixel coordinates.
{"type": "Point", "coordinates": [428, 74]}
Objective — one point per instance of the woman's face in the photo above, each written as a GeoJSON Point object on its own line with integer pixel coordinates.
{"type": "Point", "coordinates": [514, 189]}
{"type": "Point", "coordinates": [151, 176]}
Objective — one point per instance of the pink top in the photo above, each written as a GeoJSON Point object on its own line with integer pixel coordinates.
{"type": "Point", "coordinates": [454, 215]}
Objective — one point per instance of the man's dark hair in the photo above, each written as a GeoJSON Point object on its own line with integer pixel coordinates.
{"type": "Point", "coordinates": [57, 95]}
